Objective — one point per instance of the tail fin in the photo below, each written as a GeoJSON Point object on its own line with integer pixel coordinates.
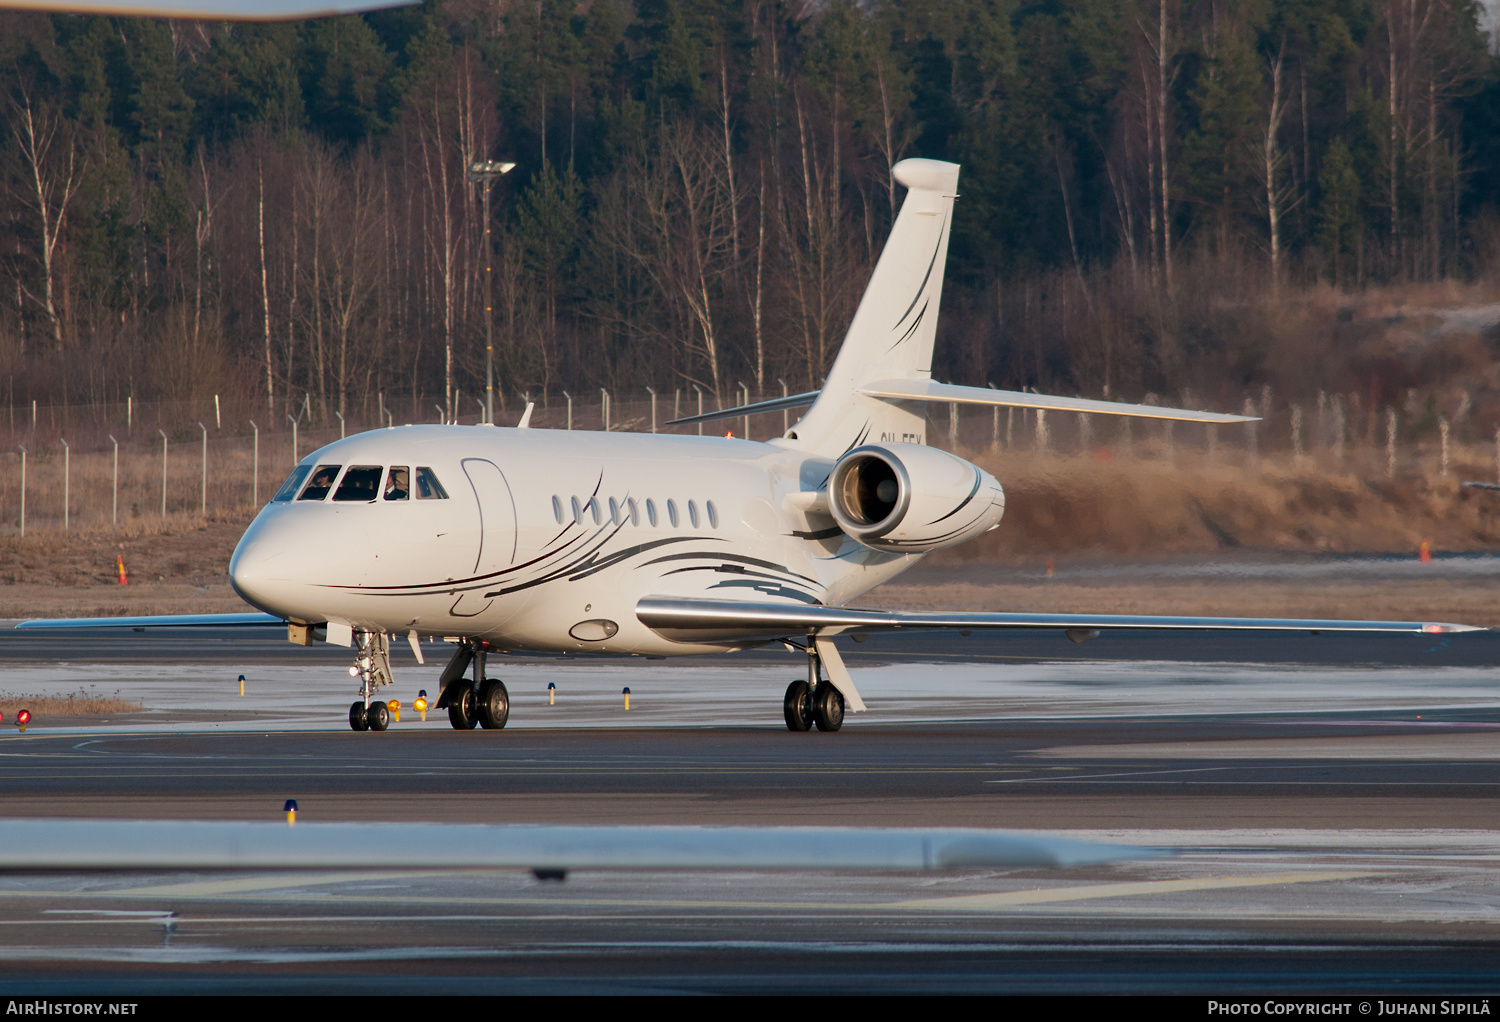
{"type": "Point", "coordinates": [895, 325]}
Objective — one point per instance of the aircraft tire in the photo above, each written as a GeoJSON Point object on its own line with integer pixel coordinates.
{"type": "Point", "coordinates": [379, 717]}
{"type": "Point", "coordinates": [357, 719]}
{"type": "Point", "coordinates": [494, 704]}
{"type": "Point", "coordinates": [462, 713]}
{"type": "Point", "coordinates": [828, 707]}
{"type": "Point", "coordinates": [797, 707]}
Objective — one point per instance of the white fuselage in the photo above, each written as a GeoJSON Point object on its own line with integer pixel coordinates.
{"type": "Point", "coordinates": [546, 539]}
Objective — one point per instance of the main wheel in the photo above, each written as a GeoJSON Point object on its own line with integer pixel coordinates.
{"type": "Point", "coordinates": [797, 707]}
{"type": "Point", "coordinates": [828, 707]}
{"type": "Point", "coordinates": [357, 719]}
{"type": "Point", "coordinates": [379, 716]}
{"type": "Point", "coordinates": [494, 704]}
{"type": "Point", "coordinates": [462, 713]}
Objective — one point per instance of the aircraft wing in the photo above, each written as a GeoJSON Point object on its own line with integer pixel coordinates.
{"type": "Point", "coordinates": [154, 621]}
{"type": "Point", "coordinates": [52, 844]}
{"type": "Point", "coordinates": [700, 620]}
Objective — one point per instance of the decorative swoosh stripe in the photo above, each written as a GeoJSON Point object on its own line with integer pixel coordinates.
{"type": "Point", "coordinates": [942, 234]}
{"type": "Point", "coordinates": [977, 480]}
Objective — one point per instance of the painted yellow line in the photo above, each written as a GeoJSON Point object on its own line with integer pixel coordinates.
{"type": "Point", "coordinates": [1148, 888]}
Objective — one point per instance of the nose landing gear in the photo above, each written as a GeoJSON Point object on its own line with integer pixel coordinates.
{"type": "Point", "coordinates": [373, 669]}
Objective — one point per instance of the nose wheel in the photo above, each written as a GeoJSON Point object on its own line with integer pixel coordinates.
{"type": "Point", "coordinates": [358, 720]}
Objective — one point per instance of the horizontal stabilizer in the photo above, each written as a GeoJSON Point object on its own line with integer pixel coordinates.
{"type": "Point", "coordinates": [183, 844]}
{"type": "Point", "coordinates": [931, 390]}
{"type": "Point", "coordinates": [698, 620]}
{"type": "Point", "coordinates": [776, 405]}
{"type": "Point", "coordinates": [951, 393]}
{"type": "Point", "coordinates": [154, 621]}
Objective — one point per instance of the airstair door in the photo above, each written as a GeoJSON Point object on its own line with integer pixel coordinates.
{"type": "Point", "coordinates": [497, 534]}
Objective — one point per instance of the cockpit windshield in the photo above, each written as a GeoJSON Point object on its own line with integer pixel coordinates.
{"type": "Point", "coordinates": [321, 482]}
{"type": "Point", "coordinates": [293, 482]}
{"type": "Point", "coordinates": [361, 482]}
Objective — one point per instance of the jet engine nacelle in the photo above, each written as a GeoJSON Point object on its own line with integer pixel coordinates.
{"type": "Point", "coordinates": [910, 498]}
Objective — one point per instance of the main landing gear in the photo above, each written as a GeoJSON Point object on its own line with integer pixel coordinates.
{"type": "Point", "coordinates": [481, 701]}
{"type": "Point", "coordinates": [814, 702]}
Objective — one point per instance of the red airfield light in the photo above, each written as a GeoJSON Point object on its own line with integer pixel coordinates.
{"type": "Point", "coordinates": [24, 717]}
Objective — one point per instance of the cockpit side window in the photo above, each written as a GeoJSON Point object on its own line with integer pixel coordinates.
{"type": "Point", "coordinates": [428, 487]}
{"type": "Point", "coordinates": [321, 482]}
{"type": "Point", "coordinates": [360, 483]}
{"type": "Point", "coordinates": [398, 483]}
{"type": "Point", "coordinates": [293, 483]}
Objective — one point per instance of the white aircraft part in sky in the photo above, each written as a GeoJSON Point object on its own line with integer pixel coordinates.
{"type": "Point", "coordinates": [509, 540]}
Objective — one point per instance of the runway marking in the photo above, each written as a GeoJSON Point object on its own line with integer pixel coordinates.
{"type": "Point", "coordinates": [564, 907]}
{"type": "Point", "coordinates": [209, 888]}
{"type": "Point", "coordinates": [1145, 888]}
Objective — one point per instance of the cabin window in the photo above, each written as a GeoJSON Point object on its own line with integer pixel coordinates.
{"type": "Point", "coordinates": [672, 512]}
{"type": "Point", "coordinates": [693, 513]}
{"type": "Point", "coordinates": [293, 483]}
{"type": "Point", "coordinates": [577, 512]}
{"type": "Point", "coordinates": [360, 483]}
{"type": "Point", "coordinates": [633, 511]}
{"type": "Point", "coordinates": [614, 511]}
{"type": "Point", "coordinates": [593, 506]}
{"type": "Point", "coordinates": [398, 483]}
{"type": "Point", "coordinates": [321, 482]}
{"type": "Point", "coordinates": [557, 510]}
{"type": "Point", "coordinates": [713, 514]}
{"type": "Point", "coordinates": [428, 487]}
{"type": "Point", "coordinates": [651, 512]}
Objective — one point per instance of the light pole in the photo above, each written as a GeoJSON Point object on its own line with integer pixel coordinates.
{"type": "Point", "coordinates": [486, 172]}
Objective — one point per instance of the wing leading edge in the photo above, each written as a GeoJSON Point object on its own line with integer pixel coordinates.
{"type": "Point", "coordinates": [699, 620]}
{"type": "Point", "coordinates": [154, 621]}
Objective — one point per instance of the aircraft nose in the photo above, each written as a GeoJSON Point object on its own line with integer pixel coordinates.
{"type": "Point", "coordinates": [260, 562]}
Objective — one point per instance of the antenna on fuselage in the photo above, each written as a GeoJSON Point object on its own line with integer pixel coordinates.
{"type": "Point", "coordinates": [525, 422]}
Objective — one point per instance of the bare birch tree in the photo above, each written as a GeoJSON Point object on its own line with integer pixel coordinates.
{"type": "Point", "coordinates": [52, 182]}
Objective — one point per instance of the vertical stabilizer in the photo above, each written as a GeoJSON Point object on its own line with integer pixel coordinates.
{"type": "Point", "coordinates": [895, 325]}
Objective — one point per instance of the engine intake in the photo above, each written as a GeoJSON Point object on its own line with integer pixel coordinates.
{"type": "Point", "coordinates": [911, 498]}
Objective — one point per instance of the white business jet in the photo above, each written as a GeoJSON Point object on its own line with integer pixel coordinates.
{"type": "Point", "coordinates": [510, 540]}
